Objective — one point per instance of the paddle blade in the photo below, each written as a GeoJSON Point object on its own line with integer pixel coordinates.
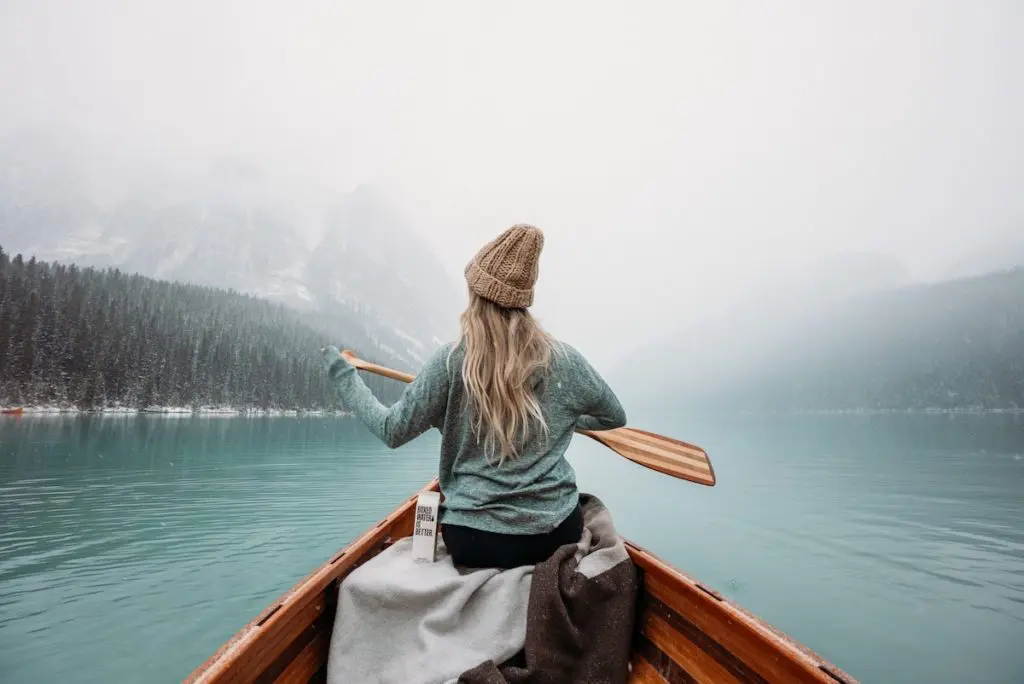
{"type": "Point", "coordinates": [657, 452]}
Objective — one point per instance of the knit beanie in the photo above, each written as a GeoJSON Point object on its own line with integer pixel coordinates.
{"type": "Point", "coordinates": [505, 269]}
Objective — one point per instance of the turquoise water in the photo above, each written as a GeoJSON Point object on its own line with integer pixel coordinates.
{"type": "Point", "coordinates": [132, 547]}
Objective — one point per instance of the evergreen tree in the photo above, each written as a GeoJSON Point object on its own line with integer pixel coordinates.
{"type": "Point", "coordinates": [97, 338]}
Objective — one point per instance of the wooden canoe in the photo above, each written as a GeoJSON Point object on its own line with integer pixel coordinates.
{"type": "Point", "coordinates": [685, 631]}
{"type": "Point", "coordinates": [12, 411]}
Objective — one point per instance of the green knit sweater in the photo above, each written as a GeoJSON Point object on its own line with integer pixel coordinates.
{"type": "Point", "coordinates": [528, 495]}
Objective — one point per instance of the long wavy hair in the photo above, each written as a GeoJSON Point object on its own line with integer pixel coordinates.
{"type": "Point", "coordinates": [507, 357]}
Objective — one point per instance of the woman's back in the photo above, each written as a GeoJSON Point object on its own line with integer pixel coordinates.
{"type": "Point", "coordinates": [533, 492]}
{"type": "Point", "coordinates": [507, 399]}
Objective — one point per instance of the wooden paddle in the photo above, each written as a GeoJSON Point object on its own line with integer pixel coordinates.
{"type": "Point", "coordinates": [664, 454]}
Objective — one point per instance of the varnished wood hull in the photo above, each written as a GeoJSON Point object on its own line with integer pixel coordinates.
{"type": "Point", "coordinates": [685, 631]}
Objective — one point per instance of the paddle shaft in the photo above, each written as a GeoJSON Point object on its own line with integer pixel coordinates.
{"type": "Point", "coordinates": [663, 454]}
{"type": "Point", "coordinates": [379, 370]}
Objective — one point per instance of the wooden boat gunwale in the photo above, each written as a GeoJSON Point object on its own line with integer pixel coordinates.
{"type": "Point", "coordinates": [308, 589]}
{"type": "Point", "coordinates": [710, 600]}
{"type": "Point", "coordinates": [299, 621]}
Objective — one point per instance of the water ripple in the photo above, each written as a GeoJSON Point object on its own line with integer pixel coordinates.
{"type": "Point", "coordinates": [143, 545]}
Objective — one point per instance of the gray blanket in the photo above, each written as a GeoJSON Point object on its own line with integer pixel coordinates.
{"type": "Point", "coordinates": [568, 619]}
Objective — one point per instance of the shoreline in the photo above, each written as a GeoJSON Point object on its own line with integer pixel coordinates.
{"type": "Point", "coordinates": [175, 411]}
{"type": "Point", "coordinates": [227, 411]}
{"type": "Point", "coordinates": [887, 412]}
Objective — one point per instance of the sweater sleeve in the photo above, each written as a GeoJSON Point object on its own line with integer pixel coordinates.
{"type": "Point", "coordinates": [422, 405]}
{"type": "Point", "coordinates": [600, 409]}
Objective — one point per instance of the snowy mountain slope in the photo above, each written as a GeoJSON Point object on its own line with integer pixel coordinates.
{"type": "Point", "coordinates": [44, 196]}
{"type": "Point", "coordinates": [370, 259]}
{"type": "Point", "coordinates": [234, 230]}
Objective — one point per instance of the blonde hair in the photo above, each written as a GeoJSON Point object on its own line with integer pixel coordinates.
{"type": "Point", "coordinates": [507, 352]}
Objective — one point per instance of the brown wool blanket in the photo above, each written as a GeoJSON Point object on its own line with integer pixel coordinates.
{"type": "Point", "coordinates": [568, 619]}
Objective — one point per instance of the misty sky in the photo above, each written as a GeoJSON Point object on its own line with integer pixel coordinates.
{"type": "Point", "coordinates": [674, 153]}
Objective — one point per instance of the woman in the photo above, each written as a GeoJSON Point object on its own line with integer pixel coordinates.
{"type": "Point", "coordinates": [506, 397]}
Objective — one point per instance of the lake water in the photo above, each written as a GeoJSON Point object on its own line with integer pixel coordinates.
{"type": "Point", "coordinates": [132, 547]}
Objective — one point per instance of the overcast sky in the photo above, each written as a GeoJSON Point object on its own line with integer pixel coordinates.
{"type": "Point", "coordinates": [672, 152]}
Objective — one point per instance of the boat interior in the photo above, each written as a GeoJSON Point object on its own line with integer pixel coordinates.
{"type": "Point", "coordinates": [684, 630]}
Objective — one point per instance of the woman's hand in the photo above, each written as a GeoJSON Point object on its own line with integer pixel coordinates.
{"type": "Point", "coordinates": [330, 354]}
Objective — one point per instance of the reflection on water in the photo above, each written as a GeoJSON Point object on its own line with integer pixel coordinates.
{"type": "Point", "coordinates": [131, 547]}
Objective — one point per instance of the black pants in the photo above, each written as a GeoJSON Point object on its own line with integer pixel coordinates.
{"type": "Point", "coordinates": [478, 549]}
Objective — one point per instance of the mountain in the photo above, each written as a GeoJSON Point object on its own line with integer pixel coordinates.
{"type": "Point", "coordinates": [44, 191]}
{"type": "Point", "coordinates": [850, 274]}
{"type": "Point", "coordinates": [736, 342]}
{"type": "Point", "coordinates": [370, 261]}
{"type": "Point", "coordinates": [101, 338]}
{"type": "Point", "coordinates": [951, 345]}
{"type": "Point", "coordinates": [236, 228]}
{"type": "Point", "coordinates": [998, 256]}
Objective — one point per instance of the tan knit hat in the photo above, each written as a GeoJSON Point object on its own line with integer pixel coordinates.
{"type": "Point", "coordinates": [505, 269]}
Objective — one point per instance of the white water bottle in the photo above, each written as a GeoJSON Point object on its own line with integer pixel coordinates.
{"type": "Point", "coordinates": [424, 531]}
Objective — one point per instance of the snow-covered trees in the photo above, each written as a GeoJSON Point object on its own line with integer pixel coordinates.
{"type": "Point", "coordinates": [93, 338]}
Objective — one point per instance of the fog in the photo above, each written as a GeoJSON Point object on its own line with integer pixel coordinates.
{"type": "Point", "coordinates": [679, 156]}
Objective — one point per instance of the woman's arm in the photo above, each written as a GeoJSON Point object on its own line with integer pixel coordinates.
{"type": "Point", "coordinates": [605, 414]}
{"type": "Point", "coordinates": [421, 406]}
{"type": "Point", "coordinates": [600, 408]}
